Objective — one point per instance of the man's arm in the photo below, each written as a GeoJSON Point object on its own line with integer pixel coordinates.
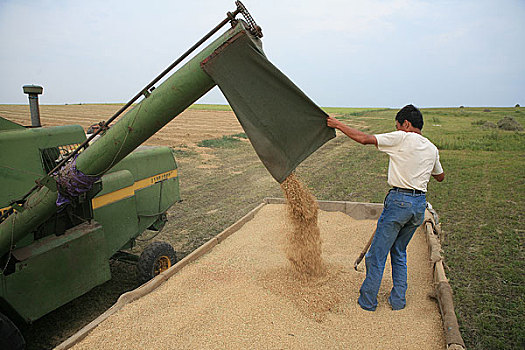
{"type": "Point", "coordinates": [439, 177]}
{"type": "Point", "coordinates": [352, 133]}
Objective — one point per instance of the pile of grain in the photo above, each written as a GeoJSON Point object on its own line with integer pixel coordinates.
{"type": "Point", "coordinates": [243, 295]}
{"type": "Point", "coordinates": [303, 248]}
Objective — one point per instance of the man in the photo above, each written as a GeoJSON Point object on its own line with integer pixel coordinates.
{"type": "Point", "coordinates": [413, 159]}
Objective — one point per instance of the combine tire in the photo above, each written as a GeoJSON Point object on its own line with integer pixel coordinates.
{"type": "Point", "coordinates": [10, 336]}
{"type": "Point", "coordinates": [156, 258]}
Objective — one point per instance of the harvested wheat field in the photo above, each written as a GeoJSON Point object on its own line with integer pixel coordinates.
{"type": "Point", "coordinates": [188, 128]}
{"type": "Point", "coordinates": [245, 295]}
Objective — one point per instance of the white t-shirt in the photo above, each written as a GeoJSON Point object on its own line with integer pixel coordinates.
{"type": "Point", "coordinates": [413, 158]}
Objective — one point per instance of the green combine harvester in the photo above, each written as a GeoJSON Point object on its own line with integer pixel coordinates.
{"type": "Point", "coordinates": [68, 253]}
{"type": "Point", "coordinates": [69, 203]}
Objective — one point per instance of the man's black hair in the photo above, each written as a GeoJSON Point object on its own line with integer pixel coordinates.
{"type": "Point", "coordinates": [412, 114]}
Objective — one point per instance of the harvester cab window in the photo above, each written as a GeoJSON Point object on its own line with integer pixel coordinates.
{"type": "Point", "coordinates": [51, 156]}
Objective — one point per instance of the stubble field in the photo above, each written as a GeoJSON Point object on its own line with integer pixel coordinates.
{"type": "Point", "coordinates": [480, 203]}
{"type": "Point", "coordinates": [190, 127]}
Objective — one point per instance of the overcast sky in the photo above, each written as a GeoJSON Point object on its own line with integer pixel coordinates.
{"type": "Point", "coordinates": [341, 53]}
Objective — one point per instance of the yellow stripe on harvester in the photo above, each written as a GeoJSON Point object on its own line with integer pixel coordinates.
{"type": "Point", "coordinates": [2, 210]}
{"type": "Point", "coordinates": [129, 191]}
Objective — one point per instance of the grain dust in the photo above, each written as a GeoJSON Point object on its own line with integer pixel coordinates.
{"type": "Point", "coordinates": [303, 248]}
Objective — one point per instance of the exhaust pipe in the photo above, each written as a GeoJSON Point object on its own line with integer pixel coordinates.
{"type": "Point", "coordinates": [33, 91]}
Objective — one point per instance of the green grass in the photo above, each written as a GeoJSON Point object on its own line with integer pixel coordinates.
{"type": "Point", "coordinates": [211, 107]}
{"type": "Point", "coordinates": [481, 205]}
{"type": "Point", "coordinates": [479, 122]}
{"type": "Point", "coordinates": [462, 129]}
{"type": "Point", "coordinates": [223, 142]}
{"type": "Point", "coordinates": [241, 135]}
{"type": "Point", "coordinates": [349, 111]}
{"type": "Point", "coordinates": [184, 152]}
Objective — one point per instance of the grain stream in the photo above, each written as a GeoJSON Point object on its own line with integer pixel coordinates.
{"type": "Point", "coordinates": [303, 238]}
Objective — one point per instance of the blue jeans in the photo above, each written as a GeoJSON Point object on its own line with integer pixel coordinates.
{"type": "Point", "coordinates": [402, 214]}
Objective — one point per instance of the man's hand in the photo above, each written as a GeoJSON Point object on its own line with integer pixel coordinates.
{"type": "Point", "coordinates": [333, 123]}
{"type": "Point", "coordinates": [439, 177]}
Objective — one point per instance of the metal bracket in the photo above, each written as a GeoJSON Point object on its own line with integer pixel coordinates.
{"type": "Point", "coordinates": [147, 92]}
{"type": "Point", "coordinates": [49, 182]}
{"type": "Point", "coordinates": [252, 26]}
